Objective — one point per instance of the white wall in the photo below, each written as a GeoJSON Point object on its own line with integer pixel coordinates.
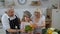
{"type": "Point", "coordinates": [44, 4]}
{"type": "Point", "coordinates": [20, 11]}
{"type": "Point", "coordinates": [27, 5]}
{"type": "Point", "coordinates": [20, 8]}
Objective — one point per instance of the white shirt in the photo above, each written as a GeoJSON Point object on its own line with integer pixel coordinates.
{"type": "Point", "coordinates": [5, 21]}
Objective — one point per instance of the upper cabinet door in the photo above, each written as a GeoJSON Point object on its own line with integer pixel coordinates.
{"type": "Point", "coordinates": [56, 18]}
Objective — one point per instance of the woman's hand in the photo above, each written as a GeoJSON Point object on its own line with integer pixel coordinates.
{"type": "Point", "coordinates": [35, 25]}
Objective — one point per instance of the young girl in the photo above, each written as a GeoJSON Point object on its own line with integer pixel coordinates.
{"type": "Point", "coordinates": [25, 21]}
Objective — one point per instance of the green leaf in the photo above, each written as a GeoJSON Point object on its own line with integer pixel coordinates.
{"type": "Point", "coordinates": [28, 28]}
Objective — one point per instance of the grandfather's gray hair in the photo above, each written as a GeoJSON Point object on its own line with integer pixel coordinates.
{"type": "Point", "coordinates": [7, 9]}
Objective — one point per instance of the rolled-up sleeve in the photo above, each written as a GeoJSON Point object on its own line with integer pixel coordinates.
{"type": "Point", "coordinates": [5, 23]}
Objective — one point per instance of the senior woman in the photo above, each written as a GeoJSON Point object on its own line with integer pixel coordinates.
{"type": "Point", "coordinates": [38, 21]}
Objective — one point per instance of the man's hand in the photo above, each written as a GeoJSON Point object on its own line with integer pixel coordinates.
{"type": "Point", "coordinates": [11, 30]}
{"type": "Point", "coordinates": [21, 30]}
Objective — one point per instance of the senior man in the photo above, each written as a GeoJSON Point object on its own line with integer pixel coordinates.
{"type": "Point", "coordinates": [11, 22]}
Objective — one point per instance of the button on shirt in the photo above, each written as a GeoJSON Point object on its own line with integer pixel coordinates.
{"type": "Point", "coordinates": [5, 21]}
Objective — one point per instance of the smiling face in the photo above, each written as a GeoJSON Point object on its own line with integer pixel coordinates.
{"type": "Point", "coordinates": [27, 18]}
{"type": "Point", "coordinates": [37, 14]}
{"type": "Point", "coordinates": [10, 12]}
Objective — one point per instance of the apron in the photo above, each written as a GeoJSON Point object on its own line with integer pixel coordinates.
{"type": "Point", "coordinates": [13, 23]}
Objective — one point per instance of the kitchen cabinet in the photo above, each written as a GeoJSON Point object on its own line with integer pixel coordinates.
{"type": "Point", "coordinates": [53, 18]}
{"type": "Point", "coordinates": [56, 18]}
{"type": "Point", "coordinates": [48, 17]}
